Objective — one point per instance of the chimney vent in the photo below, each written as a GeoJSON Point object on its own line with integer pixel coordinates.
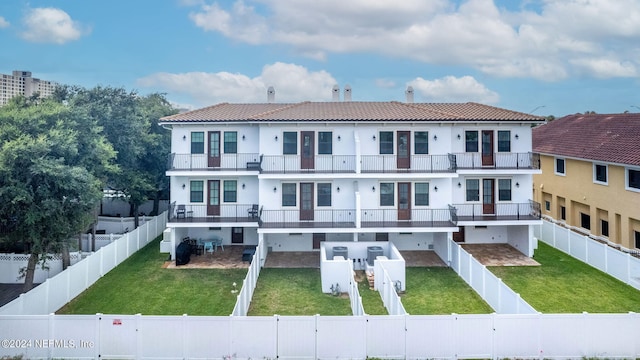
{"type": "Point", "coordinates": [336, 92]}
{"type": "Point", "coordinates": [409, 94]}
{"type": "Point", "coordinates": [347, 92]}
{"type": "Point", "coordinates": [271, 94]}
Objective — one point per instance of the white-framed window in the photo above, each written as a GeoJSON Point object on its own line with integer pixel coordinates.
{"type": "Point", "coordinates": [196, 191]}
{"type": "Point", "coordinates": [289, 143]}
{"type": "Point", "coordinates": [632, 179]}
{"type": "Point", "coordinates": [560, 166]}
{"type": "Point", "coordinates": [324, 194]}
{"type": "Point", "coordinates": [289, 191]}
{"type": "Point", "coordinates": [230, 191]}
{"type": "Point", "coordinates": [600, 174]}
{"type": "Point", "coordinates": [386, 142]}
{"type": "Point", "coordinates": [504, 189]}
{"type": "Point", "coordinates": [421, 194]}
{"type": "Point", "coordinates": [387, 194]}
{"type": "Point", "coordinates": [472, 189]}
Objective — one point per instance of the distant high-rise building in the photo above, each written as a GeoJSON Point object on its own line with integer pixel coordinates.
{"type": "Point", "coordinates": [21, 83]}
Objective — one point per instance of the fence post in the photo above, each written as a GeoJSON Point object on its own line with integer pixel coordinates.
{"type": "Point", "coordinates": [606, 257]}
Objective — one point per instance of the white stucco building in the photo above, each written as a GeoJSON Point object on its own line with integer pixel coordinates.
{"type": "Point", "coordinates": [297, 174]}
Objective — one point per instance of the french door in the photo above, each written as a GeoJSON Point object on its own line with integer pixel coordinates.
{"type": "Point", "coordinates": [403, 160]}
{"type": "Point", "coordinates": [306, 201]}
{"type": "Point", "coordinates": [488, 196]}
{"type": "Point", "coordinates": [487, 148]}
{"type": "Point", "coordinates": [213, 197]}
{"type": "Point", "coordinates": [404, 201]}
{"type": "Point", "coordinates": [307, 149]}
{"type": "Point", "coordinates": [214, 149]}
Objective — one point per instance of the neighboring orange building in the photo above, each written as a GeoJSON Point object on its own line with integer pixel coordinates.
{"type": "Point", "coordinates": [591, 174]}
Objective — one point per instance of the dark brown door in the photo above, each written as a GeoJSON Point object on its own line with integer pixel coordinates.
{"type": "Point", "coordinates": [213, 197]}
{"type": "Point", "coordinates": [404, 150]}
{"type": "Point", "coordinates": [459, 236]}
{"type": "Point", "coordinates": [307, 149]}
{"type": "Point", "coordinates": [487, 148]}
{"type": "Point", "coordinates": [237, 235]}
{"type": "Point", "coordinates": [214, 149]}
{"type": "Point", "coordinates": [404, 201]}
{"type": "Point", "coordinates": [382, 236]}
{"type": "Point", "coordinates": [488, 197]}
{"type": "Point", "coordinates": [317, 239]}
{"type": "Point", "coordinates": [306, 201]}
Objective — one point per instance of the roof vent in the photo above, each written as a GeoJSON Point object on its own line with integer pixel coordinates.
{"type": "Point", "coordinates": [347, 92]}
{"type": "Point", "coordinates": [336, 92]}
{"type": "Point", "coordinates": [409, 94]}
{"type": "Point", "coordinates": [271, 94]}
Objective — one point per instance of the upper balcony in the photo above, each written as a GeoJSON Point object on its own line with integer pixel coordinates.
{"type": "Point", "coordinates": [224, 162]}
{"type": "Point", "coordinates": [529, 211]}
{"type": "Point", "coordinates": [313, 218]}
{"type": "Point", "coordinates": [407, 218]}
{"type": "Point", "coordinates": [499, 160]}
{"type": "Point", "coordinates": [407, 164]}
{"type": "Point", "coordinates": [295, 164]}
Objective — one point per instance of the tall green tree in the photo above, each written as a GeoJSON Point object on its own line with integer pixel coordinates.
{"type": "Point", "coordinates": [53, 163]}
{"type": "Point", "coordinates": [130, 124]}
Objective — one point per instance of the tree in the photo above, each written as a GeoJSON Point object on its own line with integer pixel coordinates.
{"type": "Point", "coordinates": [53, 162]}
{"type": "Point", "coordinates": [130, 124]}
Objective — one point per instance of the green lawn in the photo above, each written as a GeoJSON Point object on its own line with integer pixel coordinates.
{"type": "Point", "coordinates": [295, 292]}
{"type": "Point", "coordinates": [371, 300]}
{"type": "Point", "coordinates": [141, 285]}
{"type": "Point", "coordinates": [439, 290]}
{"type": "Point", "coordinates": [564, 284]}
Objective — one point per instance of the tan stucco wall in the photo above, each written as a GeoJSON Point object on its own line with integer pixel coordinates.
{"type": "Point", "coordinates": [578, 193]}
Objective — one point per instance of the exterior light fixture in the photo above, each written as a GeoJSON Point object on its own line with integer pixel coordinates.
{"type": "Point", "coordinates": [517, 185]}
{"type": "Point", "coordinates": [374, 138]}
{"type": "Point", "coordinates": [275, 189]}
{"type": "Point", "coordinates": [339, 138]}
{"type": "Point", "coordinates": [243, 185]}
{"type": "Point", "coordinates": [243, 137]}
{"type": "Point", "coordinates": [184, 137]}
{"type": "Point", "coordinates": [459, 185]}
{"type": "Point", "coordinates": [459, 137]}
{"type": "Point", "coordinates": [184, 186]}
{"type": "Point", "coordinates": [276, 138]}
{"type": "Point", "coordinates": [517, 137]}
{"type": "Point", "coordinates": [338, 189]}
{"type": "Point", "coordinates": [435, 137]}
{"type": "Point", "coordinates": [373, 188]}
{"type": "Point", "coordinates": [435, 189]}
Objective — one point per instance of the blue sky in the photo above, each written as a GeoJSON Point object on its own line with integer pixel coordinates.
{"type": "Point", "coordinates": [549, 57]}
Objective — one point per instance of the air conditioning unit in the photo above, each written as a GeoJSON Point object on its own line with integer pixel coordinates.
{"type": "Point", "coordinates": [340, 251]}
{"type": "Point", "coordinates": [373, 252]}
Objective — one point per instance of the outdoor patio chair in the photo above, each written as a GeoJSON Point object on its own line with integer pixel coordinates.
{"type": "Point", "coordinates": [181, 212]}
{"type": "Point", "coordinates": [253, 212]}
{"type": "Point", "coordinates": [208, 247]}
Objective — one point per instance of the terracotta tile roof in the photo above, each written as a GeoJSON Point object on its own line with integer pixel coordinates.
{"type": "Point", "coordinates": [613, 138]}
{"type": "Point", "coordinates": [350, 111]}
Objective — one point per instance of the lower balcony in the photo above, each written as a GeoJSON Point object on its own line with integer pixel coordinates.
{"type": "Point", "coordinates": [407, 218]}
{"type": "Point", "coordinates": [227, 213]}
{"type": "Point", "coordinates": [497, 212]}
{"type": "Point", "coordinates": [301, 219]}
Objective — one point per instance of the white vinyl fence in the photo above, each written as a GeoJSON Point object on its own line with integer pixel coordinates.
{"type": "Point", "coordinates": [491, 288]}
{"type": "Point", "coordinates": [388, 290]}
{"type": "Point", "coordinates": [51, 295]}
{"type": "Point", "coordinates": [249, 283]}
{"type": "Point", "coordinates": [101, 240]}
{"type": "Point", "coordinates": [12, 265]}
{"type": "Point", "coordinates": [357, 309]}
{"type": "Point", "coordinates": [601, 256]}
{"type": "Point", "coordinates": [487, 336]}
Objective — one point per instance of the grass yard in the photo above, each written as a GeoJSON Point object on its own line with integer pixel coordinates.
{"type": "Point", "coordinates": [141, 285]}
{"type": "Point", "coordinates": [438, 291]}
{"type": "Point", "coordinates": [295, 292]}
{"type": "Point", "coordinates": [564, 284]}
{"type": "Point", "coordinates": [371, 300]}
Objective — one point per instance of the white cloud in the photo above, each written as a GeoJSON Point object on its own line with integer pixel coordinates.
{"type": "Point", "coordinates": [51, 25]}
{"type": "Point", "coordinates": [385, 83]}
{"type": "Point", "coordinates": [292, 83]}
{"type": "Point", "coordinates": [606, 68]}
{"type": "Point", "coordinates": [454, 89]}
{"type": "Point", "coordinates": [543, 43]}
{"type": "Point", "coordinates": [3, 23]}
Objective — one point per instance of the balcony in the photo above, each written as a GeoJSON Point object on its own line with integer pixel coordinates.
{"type": "Point", "coordinates": [501, 160]}
{"type": "Point", "coordinates": [295, 164]}
{"type": "Point", "coordinates": [227, 213]}
{"type": "Point", "coordinates": [411, 218]}
{"type": "Point", "coordinates": [497, 212]}
{"type": "Point", "coordinates": [225, 162]}
{"type": "Point", "coordinates": [413, 164]}
{"type": "Point", "coordinates": [301, 219]}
